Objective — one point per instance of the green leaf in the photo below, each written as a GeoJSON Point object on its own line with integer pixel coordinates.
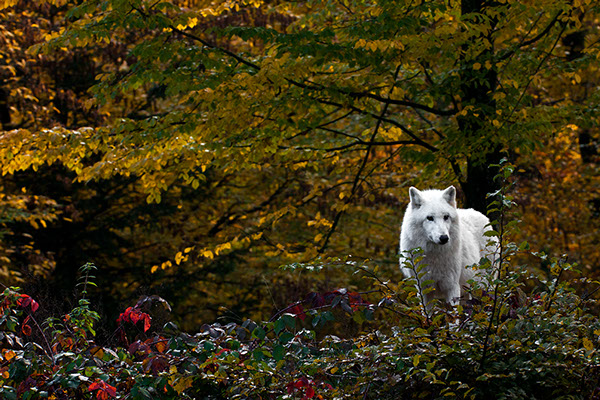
{"type": "Point", "coordinates": [278, 352]}
{"type": "Point", "coordinates": [285, 337]}
{"type": "Point", "coordinates": [259, 333]}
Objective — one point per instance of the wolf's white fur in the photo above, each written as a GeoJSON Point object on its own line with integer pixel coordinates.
{"type": "Point", "coordinates": [451, 239]}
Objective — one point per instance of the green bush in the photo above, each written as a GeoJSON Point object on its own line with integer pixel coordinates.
{"type": "Point", "coordinates": [503, 343]}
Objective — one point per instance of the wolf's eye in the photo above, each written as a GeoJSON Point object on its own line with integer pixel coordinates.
{"type": "Point", "coordinates": [446, 217]}
{"type": "Point", "coordinates": [429, 218]}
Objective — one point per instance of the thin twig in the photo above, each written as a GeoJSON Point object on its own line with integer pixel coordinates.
{"type": "Point", "coordinates": [555, 288]}
{"type": "Point", "coordinates": [365, 159]}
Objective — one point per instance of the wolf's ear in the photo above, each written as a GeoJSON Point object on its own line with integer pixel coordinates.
{"type": "Point", "coordinates": [450, 195]}
{"type": "Point", "coordinates": [415, 197]}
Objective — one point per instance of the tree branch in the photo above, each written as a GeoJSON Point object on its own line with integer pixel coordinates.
{"type": "Point", "coordinates": [381, 118]}
{"type": "Point", "coordinates": [214, 47]}
{"type": "Point", "coordinates": [385, 100]}
{"type": "Point", "coordinates": [525, 43]}
{"type": "Point", "coordinates": [337, 217]}
{"type": "Point", "coordinates": [402, 103]}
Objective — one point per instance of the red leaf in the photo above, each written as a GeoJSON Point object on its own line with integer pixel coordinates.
{"type": "Point", "coordinates": [310, 393]}
{"type": "Point", "coordinates": [26, 329]}
{"type": "Point", "coordinates": [218, 353]}
{"type": "Point", "coordinates": [24, 300]}
{"type": "Point", "coordinates": [135, 316]}
{"type": "Point", "coordinates": [111, 390]}
{"type": "Point", "coordinates": [157, 364]}
{"type": "Point", "coordinates": [316, 299]}
{"type": "Point", "coordinates": [146, 322]}
{"type": "Point", "coordinates": [300, 383]}
{"type": "Point", "coordinates": [135, 346]}
{"type": "Point", "coordinates": [124, 316]}
{"type": "Point", "coordinates": [104, 390]}
{"type": "Point", "coordinates": [354, 298]}
{"type": "Point", "coordinates": [298, 311]}
{"type": "Point", "coordinates": [34, 305]}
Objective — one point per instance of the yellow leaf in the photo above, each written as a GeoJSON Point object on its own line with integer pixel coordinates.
{"type": "Point", "coordinates": [318, 237]}
{"type": "Point", "coordinates": [7, 3]}
{"type": "Point", "coordinates": [476, 66]}
{"type": "Point", "coordinates": [9, 355]}
{"type": "Point", "coordinates": [183, 384]}
{"type": "Point", "coordinates": [187, 249]}
{"type": "Point", "coordinates": [360, 43]}
{"type": "Point", "coordinates": [99, 353]}
{"type": "Point", "coordinates": [257, 236]}
{"type": "Point", "coordinates": [587, 344]}
{"type": "Point", "coordinates": [416, 360]}
{"type": "Point", "coordinates": [154, 269]}
{"type": "Point", "coordinates": [161, 347]}
{"type": "Point", "coordinates": [178, 258]}
{"type": "Point", "coordinates": [499, 96]}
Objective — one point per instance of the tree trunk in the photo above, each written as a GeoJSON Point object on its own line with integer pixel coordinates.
{"type": "Point", "coordinates": [477, 89]}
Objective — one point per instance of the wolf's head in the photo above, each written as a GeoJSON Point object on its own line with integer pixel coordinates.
{"type": "Point", "coordinates": [434, 212]}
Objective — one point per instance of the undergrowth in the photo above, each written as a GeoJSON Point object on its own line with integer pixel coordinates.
{"type": "Point", "coordinates": [511, 340]}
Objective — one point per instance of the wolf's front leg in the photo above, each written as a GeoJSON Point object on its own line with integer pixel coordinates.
{"type": "Point", "coordinates": [453, 295]}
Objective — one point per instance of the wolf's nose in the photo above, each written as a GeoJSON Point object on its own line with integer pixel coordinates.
{"type": "Point", "coordinates": [444, 239]}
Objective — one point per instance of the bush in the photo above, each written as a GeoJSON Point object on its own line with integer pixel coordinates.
{"type": "Point", "coordinates": [505, 343]}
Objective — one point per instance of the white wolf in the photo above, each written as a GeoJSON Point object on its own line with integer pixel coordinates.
{"type": "Point", "coordinates": [451, 239]}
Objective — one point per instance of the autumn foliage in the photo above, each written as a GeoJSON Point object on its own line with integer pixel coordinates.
{"type": "Point", "coordinates": [237, 171]}
{"type": "Point", "coordinates": [507, 343]}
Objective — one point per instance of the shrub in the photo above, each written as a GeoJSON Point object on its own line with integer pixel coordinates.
{"type": "Point", "coordinates": [504, 343]}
